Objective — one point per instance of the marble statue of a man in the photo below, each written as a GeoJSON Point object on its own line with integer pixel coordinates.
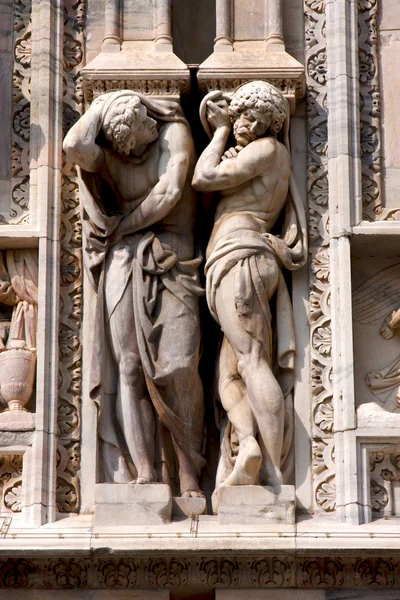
{"type": "Point", "coordinates": [246, 290]}
{"type": "Point", "coordinates": [136, 159]}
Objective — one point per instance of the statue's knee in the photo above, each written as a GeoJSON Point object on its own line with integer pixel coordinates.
{"type": "Point", "coordinates": [130, 369]}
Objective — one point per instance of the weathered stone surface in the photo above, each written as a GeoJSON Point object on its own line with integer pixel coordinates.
{"type": "Point", "coordinates": [128, 505]}
{"type": "Point", "coordinates": [188, 507]}
{"type": "Point", "coordinates": [253, 504]}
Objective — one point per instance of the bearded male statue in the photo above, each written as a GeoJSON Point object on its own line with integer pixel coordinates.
{"type": "Point", "coordinates": [246, 290]}
{"type": "Point", "coordinates": [136, 158]}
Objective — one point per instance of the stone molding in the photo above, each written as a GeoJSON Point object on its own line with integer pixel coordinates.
{"type": "Point", "coordinates": [95, 86]}
{"type": "Point", "coordinates": [201, 571]}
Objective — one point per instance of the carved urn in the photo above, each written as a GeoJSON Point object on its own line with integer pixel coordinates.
{"type": "Point", "coordinates": [17, 373]}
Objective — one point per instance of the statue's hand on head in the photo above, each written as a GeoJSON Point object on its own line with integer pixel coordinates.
{"type": "Point", "coordinates": [217, 114]}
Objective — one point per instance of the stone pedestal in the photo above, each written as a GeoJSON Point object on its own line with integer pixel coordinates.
{"type": "Point", "coordinates": [255, 504]}
{"type": "Point", "coordinates": [129, 505]}
{"type": "Point", "coordinates": [17, 420]}
{"type": "Point", "coordinates": [188, 507]}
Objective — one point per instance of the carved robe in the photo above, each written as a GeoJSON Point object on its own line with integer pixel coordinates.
{"type": "Point", "coordinates": [153, 270]}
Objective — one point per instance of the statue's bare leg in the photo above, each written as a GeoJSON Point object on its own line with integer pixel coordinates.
{"type": "Point", "coordinates": [135, 410]}
{"type": "Point", "coordinates": [182, 390]}
{"type": "Point", "coordinates": [233, 395]}
{"type": "Point", "coordinates": [263, 391]}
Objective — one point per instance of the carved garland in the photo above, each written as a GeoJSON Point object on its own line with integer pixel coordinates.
{"type": "Point", "coordinates": [243, 571]}
{"type": "Point", "coordinates": [19, 201]}
{"type": "Point", "coordinates": [323, 466]}
{"type": "Point", "coordinates": [68, 452]}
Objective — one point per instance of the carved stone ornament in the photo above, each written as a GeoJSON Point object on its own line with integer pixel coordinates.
{"type": "Point", "coordinates": [18, 288]}
{"type": "Point", "coordinates": [205, 571]}
{"type": "Point", "coordinates": [136, 158]}
{"type": "Point", "coordinates": [244, 275]}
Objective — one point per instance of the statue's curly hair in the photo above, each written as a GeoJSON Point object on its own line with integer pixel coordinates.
{"type": "Point", "coordinates": [119, 122]}
{"type": "Point", "coordinates": [263, 97]}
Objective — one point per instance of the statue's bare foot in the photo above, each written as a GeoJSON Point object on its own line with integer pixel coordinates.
{"type": "Point", "coordinates": [192, 494]}
{"type": "Point", "coordinates": [247, 465]}
{"type": "Point", "coordinates": [145, 478]}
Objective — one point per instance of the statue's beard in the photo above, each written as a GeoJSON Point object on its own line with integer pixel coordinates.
{"type": "Point", "coordinates": [243, 136]}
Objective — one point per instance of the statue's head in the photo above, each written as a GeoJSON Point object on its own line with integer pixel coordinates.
{"type": "Point", "coordinates": [126, 123]}
{"type": "Point", "coordinates": [257, 107]}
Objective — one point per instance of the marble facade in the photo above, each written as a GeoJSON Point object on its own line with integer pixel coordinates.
{"type": "Point", "coordinates": [329, 528]}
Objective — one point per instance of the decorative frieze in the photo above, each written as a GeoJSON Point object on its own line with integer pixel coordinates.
{"type": "Point", "coordinates": [207, 572]}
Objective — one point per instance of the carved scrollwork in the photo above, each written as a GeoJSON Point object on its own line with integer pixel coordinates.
{"type": "Point", "coordinates": [70, 376]}
{"type": "Point", "coordinates": [120, 573]}
{"type": "Point", "coordinates": [20, 131]}
{"type": "Point", "coordinates": [320, 310]}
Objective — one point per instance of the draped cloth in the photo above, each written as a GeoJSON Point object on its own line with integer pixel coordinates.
{"type": "Point", "coordinates": [242, 251]}
{"type": "Point", "coordinates": [151, 269]}
{"type": "Point", "coordinates": [19, 288]}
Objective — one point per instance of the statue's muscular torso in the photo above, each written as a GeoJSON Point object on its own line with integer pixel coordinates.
{"type": "Point", "coordinates": [132, 178]}
{"type": "Point", "coordinates": [255, 204]}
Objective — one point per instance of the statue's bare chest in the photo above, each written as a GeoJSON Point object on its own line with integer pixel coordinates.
{"type": "Point", "coordinates": [132, 178]}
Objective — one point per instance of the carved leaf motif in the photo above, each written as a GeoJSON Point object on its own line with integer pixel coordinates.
{"type": "Point", "coordinates": [316, 5]}
{"type": "Point", "coordinates": [20, 194]}
{"type": "Point", "coordinates": [156, 573]}
{"type": "Point", "coordinates": [15, 572]}
{"type": "Point", "coordinates": [13, 498]}
{"type": "Point", "coordinates": [260, 573]}
{"type": "Point", "coordinates": [68, 574]}
{"type": "Point", "coordinates": [209, 572]}
{"type": "Point", "coordinates": [229, 573]}
{"type": "Point", "coordinates": [179, 573]}
{"type": "Point", "coordinates": [72, 52]}
{"type": "Point", "coordinates": [379, 497]}
{"type": "Point", "coordinates": [324, 416]}
{"type": "Point", "coordinates": [385, 573]}
{"type": "Point", "coordinates": [334, 573]}
{"type": "Point", "coordinates": [326, 495]}
{"type": "Point", "coordinates": [22, 122]}
{"type": "Point", "coordinates": [23, 50]}
{"type": "Point", "coordinates": [323, 340]}
{"type": "Point", "coordinates": [123, 573]}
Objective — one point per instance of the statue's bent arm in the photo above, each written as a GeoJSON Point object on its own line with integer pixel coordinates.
{"type": "Point", "coordinates": [80, 142]}
{"type": "Point", "coordinates": [176, 150]}
{"type": "Point", "coordinates": [212, 174]}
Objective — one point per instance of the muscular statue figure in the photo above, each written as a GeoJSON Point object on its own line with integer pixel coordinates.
{"type": "Point", "coordinates": [246, 291]}
{"type": "Point", "coordinates": [136, 158]}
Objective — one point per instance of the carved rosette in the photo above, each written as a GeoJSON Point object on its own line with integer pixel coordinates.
{"type": "Point", "coordinates": [320, 320]}
{"type": "Point", "coordinates": [70, 376]}
{"type": "Point", "coordinates": [20, 133]}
